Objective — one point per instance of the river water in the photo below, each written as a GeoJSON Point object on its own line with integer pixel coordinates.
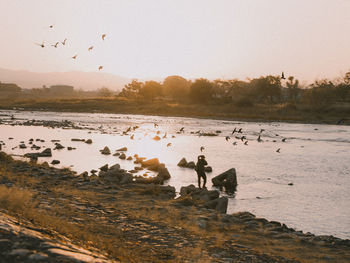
{"type": "Point", "coordinates": [315, 158]}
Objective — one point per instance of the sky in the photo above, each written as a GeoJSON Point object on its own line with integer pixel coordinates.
{"type": "Point", "coordinates": [150, 39]}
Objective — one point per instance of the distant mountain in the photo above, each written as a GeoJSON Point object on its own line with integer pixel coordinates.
{"type": "Point", "coordinates": [77, 79]}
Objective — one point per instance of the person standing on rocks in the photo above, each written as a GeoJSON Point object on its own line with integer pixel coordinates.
{"type": "Point", "coordinates": [201, 162]}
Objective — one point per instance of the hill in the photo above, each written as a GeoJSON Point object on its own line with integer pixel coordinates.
{"type": "Point", "coordinates": [78, 79]}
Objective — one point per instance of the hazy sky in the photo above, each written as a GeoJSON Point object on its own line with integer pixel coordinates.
{"type": "Point", "coordinates": [193, 38]}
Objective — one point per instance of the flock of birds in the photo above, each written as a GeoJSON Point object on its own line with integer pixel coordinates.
{"type": "Point", "coordinates": [237, 134]}
{"type": "Point", "coordinates": [64, 42]}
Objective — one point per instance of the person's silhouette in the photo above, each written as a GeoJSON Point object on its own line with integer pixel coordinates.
{"type": "Point", "coordinates": [201, 162]}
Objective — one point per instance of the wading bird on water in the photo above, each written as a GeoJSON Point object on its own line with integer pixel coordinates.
{"type": "Point", "coordinates": [55, 45]}
{"type": "Point", "coordinates": [41, 45]}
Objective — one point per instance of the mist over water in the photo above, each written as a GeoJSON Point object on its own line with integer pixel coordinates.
{"type": "Point", "coordinates": [315, 158]}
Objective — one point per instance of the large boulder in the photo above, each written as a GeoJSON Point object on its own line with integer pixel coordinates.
{"type": "Point", "coordinates": [227, 179]}
{"type": "Point", "coordinates": [182, 163]}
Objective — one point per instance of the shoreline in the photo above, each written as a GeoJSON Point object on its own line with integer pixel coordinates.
{"type": "Point", "coordinates": [218, 118]}
{"type": "Point", "coordinates": [258, 113]}
{"type": "Point", "coordinates": [62, 201]}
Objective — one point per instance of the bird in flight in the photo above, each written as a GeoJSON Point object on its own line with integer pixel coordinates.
{"type": "Point", "coordinates": [169, 144]}
{"type": "Point", "coordinates": [55, 45]}
{"type": "Point", "coordinates": [182, 129]}
{"type": "Point", "coordinates": [41, 45]}
{"type": "Point", "coordinates": [283, 77]}
{"type": "Point", "coordinates": [235, 130]}
{"type": "Point", "coordinates": [64, 42]}
{"type": "Point", "coordinates": [227, 138]}
{"type": "Point", "coordinates": [202, 148]}
{"type": "Point", "coordinates": [90, 48]}
{"type": "Point", "coordinates": [75, 57]}
{"type": "Point", "coordinates": [103, 36]}
{"type": "Point", "coordinates": [240, 130]}
{"type": "Point", "coordinates": [278, 150]}
{"type": "Point", "coordinates": [100, 68]}
{"type": "Point", "coordinates": [164, 135]}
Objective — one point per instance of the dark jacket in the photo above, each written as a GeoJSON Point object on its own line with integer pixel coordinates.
{"type": "Point", "coordinates": [200, 165]}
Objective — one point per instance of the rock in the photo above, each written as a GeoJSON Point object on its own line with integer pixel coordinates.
{"type": "Point", "coordinates": [290, 184]}
{"type": "Point", "coordinates": [116, 154]}
{"type": "Point", "coordinates": [55, 162]}
{"type": "Point", "coordinates": [129, 158]}
{"type": "Point", "coordinates": [163, 173]}
{"type": "Point", "coordinates": [115, 167]}
{"type": "Point", "coordinates": [208, 169]}
{"type": "Point", "coordinates": [150, 162]}
{"type": "Point", "coordinates": [84, 175]}
{"type": "Point", "coordinates": [19, 252]}
{"type": "Point", "coordinates": [182, 162]}
{"type": "Point", "coordinates": [38, 257]}
{"type": "Point", "coordinates": [70, 148]}
{"type": "Point", "coordinates": [77, 140]}
{"type": "Point", "coordinates": [126, 179]}
{"type": "Point", "coordinates": [88, 141]}
{"type": "Point", "coordinates": [45, 153]}
{"type": "Point", "coordinates": [58, 146]}
{"type": "Point", "coordinates": [104, 168]}
{"type": "Point", "coordinates": [136, 168]}
{"type": "Point", "coordinates": [105, 151]}
{"type": "Point", "coordinates": [219, 204]}
{"type": "Point", "coordinates": [191, 165]}
{"type": "Point", "coordinates": [227, 179]}
{"type": "Point", "coordinates": [122, 156]}
{"type": "Point", "coordinates": [124, 149]}
{"type": "Point", "coordinates": [156, 138]}
{"type": "Point", "coordinates": [185, 190]}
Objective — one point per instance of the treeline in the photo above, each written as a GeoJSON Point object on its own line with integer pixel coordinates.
{"type": "Point", "coordinates": [11, 91]}
{"type": "Point", "coordinates": [264, 90]}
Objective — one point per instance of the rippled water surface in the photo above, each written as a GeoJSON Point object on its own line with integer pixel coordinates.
{"type": "Point", "coordinates": [315, 158]}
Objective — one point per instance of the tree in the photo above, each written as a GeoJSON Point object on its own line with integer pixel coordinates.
{"type": "Point", "coordinates": [293, 89]}
{"type": "Point", "coordinates": [267, 88]}
{"type": "Point", "coordinates": [321, 94]}
{"type": "Point", "coordinates": [201, 91]}
{"type": "Point", "coordinates": [132, 89]}
{"type": "Point", "coordinates": [104, 92]}
{"type": "Point", "coordinates": [176, 87]}
{"type": "Point", "coordinates": [151, 89]}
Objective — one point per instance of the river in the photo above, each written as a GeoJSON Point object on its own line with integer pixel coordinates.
{"type": "Point", "coordinates": [305, 185]}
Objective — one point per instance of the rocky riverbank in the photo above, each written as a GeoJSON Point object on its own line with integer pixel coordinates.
{"type": "Point", "coordinates": [136, 222]}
